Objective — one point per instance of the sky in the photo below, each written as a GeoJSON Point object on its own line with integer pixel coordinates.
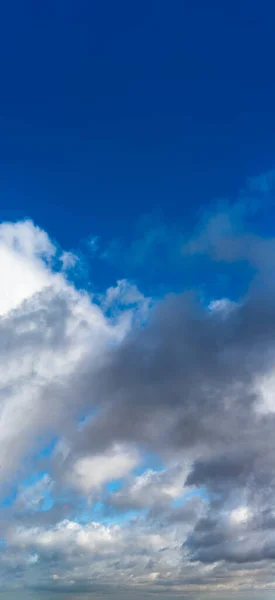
{"type": "Point", "coordinates": [137, 300]}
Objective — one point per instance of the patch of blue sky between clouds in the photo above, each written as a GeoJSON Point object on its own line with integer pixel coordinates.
{"type": "Point", "coordinates": [114, 486]}
{"type": "Point", "coordinates": [10, 498]}
{"type": "Point", "coordinates": [149, 460]}
{"type": "Point", "coordinates": [43, 500]}
{"type": "Point", "coordinates": [86, 417]}
{"type": "Point", "coordinates": [48, 449]}
{"type": "Point", "coordinates": [123, 518]}
{"type": "Point", "coordinates": [22, 486]}
{"type": "Point", "coordinates": [97, 512]}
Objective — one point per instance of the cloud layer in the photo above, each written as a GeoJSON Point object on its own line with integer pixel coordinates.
{"type": "Point", "coordinates": [137, 436]}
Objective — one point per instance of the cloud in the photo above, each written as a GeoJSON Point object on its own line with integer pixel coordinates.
{"type": "Point", "coordinates": [68, 260]}
{"type": "Point", "coordinates": [92, 472]}
{"type": "Point", "coordinates": [137, 437]}
{"type": "Point", "coordinates": [123, 293]}
{"type": "Point", "coordinates": [186, 379]}
{"type": "Point", "coordinates": [24, 253]}
{"type": "Point", "coordinates": [111, 554]}
{"type": "Point", "coordinates": [223, 234]}
{"type": "Point", "coordinates": [33, 495]}
{"type": "Point", "coordinates": [151, 489]}
{"type": "Point", "coordinates": [46, 330]}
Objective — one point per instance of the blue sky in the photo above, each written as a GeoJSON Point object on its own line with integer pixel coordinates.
{"type": "Point", "coordinates": [129, 110]}
{"type": "Point", "coordinates": [137, 244]}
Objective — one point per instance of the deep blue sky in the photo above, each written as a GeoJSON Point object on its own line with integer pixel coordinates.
{"type": "Point", "coordinates": [109, 110]}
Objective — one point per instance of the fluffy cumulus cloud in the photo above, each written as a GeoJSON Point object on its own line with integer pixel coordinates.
{"type": "Point", "coordinates": [137, 436]}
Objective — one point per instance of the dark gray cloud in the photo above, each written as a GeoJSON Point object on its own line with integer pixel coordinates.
{"type": "Point", "coordinates": [188, 380]}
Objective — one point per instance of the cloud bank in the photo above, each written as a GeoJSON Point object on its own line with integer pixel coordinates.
{"type": "Point", "coordinates": [136, 435]}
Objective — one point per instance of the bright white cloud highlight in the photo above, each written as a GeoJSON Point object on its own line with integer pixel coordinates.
{"type": "Point", "coordinates": [23, 270]}
{"type": "Point", "coordinates": [92, 472]}
{"type": "Point", "coordinates": [46, 331]}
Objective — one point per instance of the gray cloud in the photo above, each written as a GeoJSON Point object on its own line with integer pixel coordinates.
{"type": "Point", "coordinates": [187, 385]}
{"type": "Point", "coordinates": [191, 384]}
{"type": "Point", "coordinates": [188, 379]}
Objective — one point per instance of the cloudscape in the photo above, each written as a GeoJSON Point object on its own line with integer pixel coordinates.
{"type": "Point", "coordinates": [137, 300]}
{"type": "Point", "coordinates": [137, 433]}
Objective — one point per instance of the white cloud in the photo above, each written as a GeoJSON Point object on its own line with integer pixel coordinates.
{"type": "Point", "coordinates": [46, 331]}
{"type": "Point", "coordinates": [222, 305]}
{"type": "Point", "coordinates": [265, 390]}
{"type": "Point", "coordinates": [239, 515]}
{"type": "Point", "coordinates": [89, 551]}
{"type": "Point", "coordinates": [68, 260]}
{"type": "Point", "coordinates": [124, 293]}
{"type": "Point", "coordinates": [91, 472]}
{"type": "Point", "coordinates": [23, 271]}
